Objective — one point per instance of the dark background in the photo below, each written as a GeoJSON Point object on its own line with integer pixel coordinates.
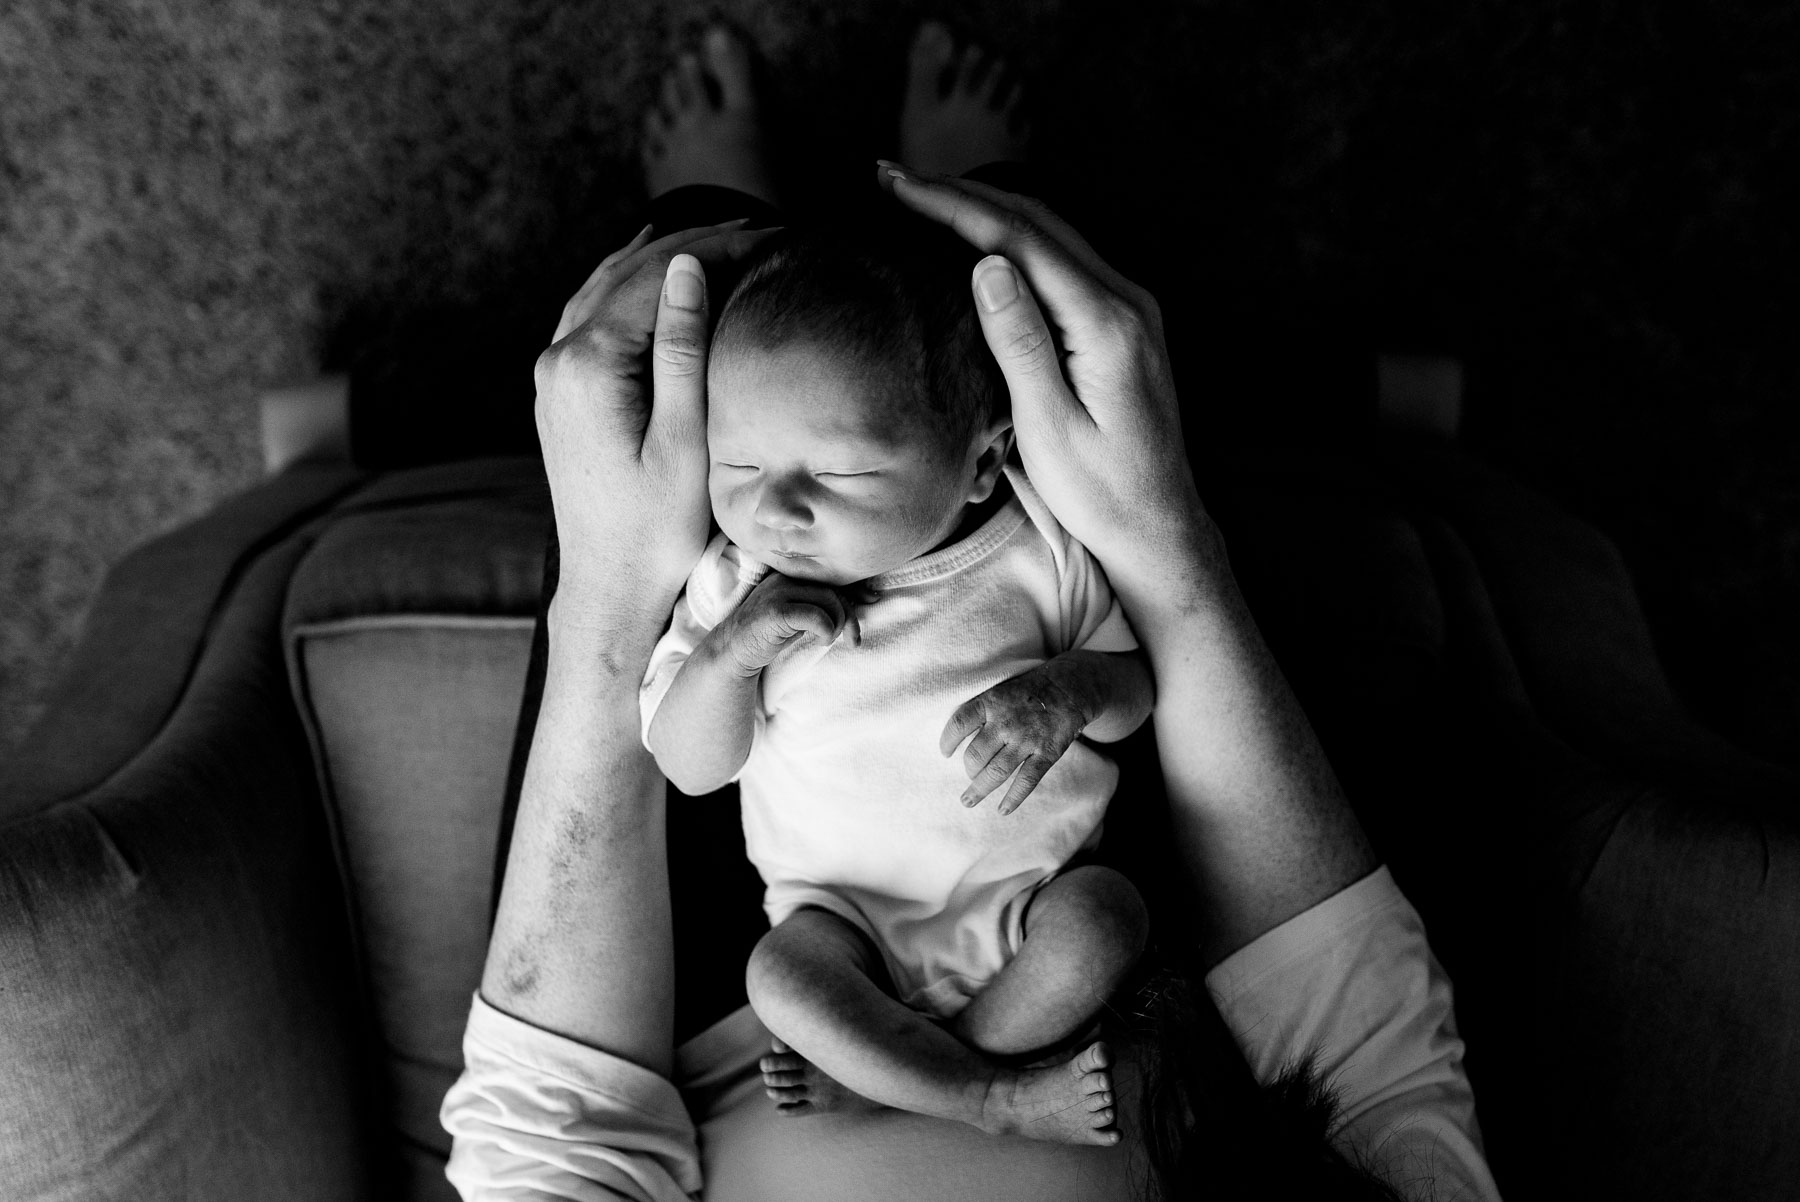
{"type": "Point", "coordinates": [1590, 204]}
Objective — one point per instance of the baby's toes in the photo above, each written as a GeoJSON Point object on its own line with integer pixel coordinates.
{"type": "Point", "coordinates": [1093, 1058]}
{"type": "Point", "coordinates": [1099, 1099]}
{"type": "Point", "coordinates": [782, 1060]}
{"type": "Point", "coordinates": [791, 1103]}
{"type": "Point", "coordinates": [1095, 1086]}
{"type": "Point", "coordinates": [784, 1078]}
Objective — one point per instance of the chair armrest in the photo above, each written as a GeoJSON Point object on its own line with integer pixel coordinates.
{"type": "Point", "coordinates": [177, 1014]}
{"type": "Point", "coordinates": [144, 635]}
{"type": "Point", "coordinates": [1562, 595]}
{"type": "Point", "coordinates": [1614, 890]}
{"type": "Point", "coordinates": [1666, 1006]}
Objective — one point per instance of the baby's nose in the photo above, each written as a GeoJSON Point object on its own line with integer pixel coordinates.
{"type": "Point", "coordinates": [782, 506]}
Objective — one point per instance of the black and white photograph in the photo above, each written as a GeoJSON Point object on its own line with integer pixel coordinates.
{"type": "Point", "coordinates": [851, 600]}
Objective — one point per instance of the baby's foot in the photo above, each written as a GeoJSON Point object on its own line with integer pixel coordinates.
{"type": "Point", "coordinates": [963, 107]}
{"type": "Point", "coordinates": [707, 128]}
{"type": "Point", "coordinates": [1069, 1103]}
{"type": "Point", "coordinates": [798, 1088]}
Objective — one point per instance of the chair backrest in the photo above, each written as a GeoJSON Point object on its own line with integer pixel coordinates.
{"type": "Point", "coordinates": [407, 630]}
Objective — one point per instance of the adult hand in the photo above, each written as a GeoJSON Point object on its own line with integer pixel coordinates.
{"type": "Point", "coordinates": [1084, 357]}
{"type": "Point", "coordinates": [621, 414]}
{"type": "Point", "coordinates": [582, 941]}
{"type": "Point", "coordinates": [1257, 812]}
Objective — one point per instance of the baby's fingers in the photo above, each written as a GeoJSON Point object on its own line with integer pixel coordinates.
{"type": "Point", "coordinates": [992, 776]}
{"type": "Point", "coordinates": [964, 722]}
{"type": "Point", "coordinates": [803, 618]}
{"type": "Point", "coordinates": [1030, 773]}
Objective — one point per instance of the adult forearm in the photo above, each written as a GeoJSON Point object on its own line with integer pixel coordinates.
{"type": "Point", "coordinates": [587, 873]}
{"type": "Point", "coordinates": [1263, 824]}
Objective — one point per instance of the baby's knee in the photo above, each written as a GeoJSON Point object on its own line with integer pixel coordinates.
{"type": "Point", "coordinates": [776, 969]}
{"type": "Point", "coordinates": [799, 954]}
{"type": "Point", "coordinates": [1107, 909]}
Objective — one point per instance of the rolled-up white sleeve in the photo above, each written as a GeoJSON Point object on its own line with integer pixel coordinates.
{"type": "Point", "coordinates": [539, 1116]}
{"type": "Point", "coordinates": [1353, 983]}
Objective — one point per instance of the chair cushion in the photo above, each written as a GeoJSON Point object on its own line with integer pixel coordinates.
{"type": "Point", "coordinates": [408, 629]}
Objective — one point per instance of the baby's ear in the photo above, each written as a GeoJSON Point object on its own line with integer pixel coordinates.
{"type": "Point", "coordinates": [990, 459]}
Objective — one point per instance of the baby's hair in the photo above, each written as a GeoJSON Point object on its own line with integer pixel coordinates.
{"type": "Point", "coordinates": [886, 289]}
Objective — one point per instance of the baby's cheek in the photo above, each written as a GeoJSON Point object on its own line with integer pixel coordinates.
{"type": "Point", "coordinates": [724, 511]}
{"type": "Point", "coordinates": [892, 536]}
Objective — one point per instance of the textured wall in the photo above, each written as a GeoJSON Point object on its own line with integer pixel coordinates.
{"type": "Point", "coordinates": [1587, 202]}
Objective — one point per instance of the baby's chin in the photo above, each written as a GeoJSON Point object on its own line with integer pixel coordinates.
{"type": "Point", "coordinates": [813, 568]}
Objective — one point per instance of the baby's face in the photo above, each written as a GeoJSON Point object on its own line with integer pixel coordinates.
{"type": "Point", "coordinates": [823, 471]}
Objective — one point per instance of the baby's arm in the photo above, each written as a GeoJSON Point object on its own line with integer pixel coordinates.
{"type": "Point", "coordinates": [1113, 689]}
{"type": "Point", "coordinates": [701, 732]}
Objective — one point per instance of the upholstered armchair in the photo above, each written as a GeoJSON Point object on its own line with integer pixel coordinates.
{"type": "Point", "coordinates": [246, 856]}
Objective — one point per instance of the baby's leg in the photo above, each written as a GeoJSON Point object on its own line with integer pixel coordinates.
{"type": "Point", "coordinates": [1083, 932]}
{"type": "Point", "coordinates": [811, 981]}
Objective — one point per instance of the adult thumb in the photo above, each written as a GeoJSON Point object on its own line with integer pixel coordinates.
{"type": "Point", "coordinates": [678, 353]}
{"type": "Point", "coordinates": [1020, 339]}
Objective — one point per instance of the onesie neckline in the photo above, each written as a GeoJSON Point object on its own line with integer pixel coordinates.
{"type": "Point", "coordinates": [946, 561]}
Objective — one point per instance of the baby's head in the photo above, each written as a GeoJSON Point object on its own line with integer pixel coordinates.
{"type": "Point", "coordinates": [854, 411]}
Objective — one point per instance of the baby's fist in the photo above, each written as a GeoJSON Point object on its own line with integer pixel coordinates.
{"type": "Point", "coordinates": [1020, 725]}
{"type": "Point", "coordinates": [781, 612]}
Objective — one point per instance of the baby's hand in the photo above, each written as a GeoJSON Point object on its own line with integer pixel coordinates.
{"type": "Point", "coordinates": [779, 613]}
{"type": "Point", "coordinates": [1023, 724]}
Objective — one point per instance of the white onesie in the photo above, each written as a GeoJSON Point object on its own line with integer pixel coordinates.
{"type": "Point", "coordinates": [847, 803]}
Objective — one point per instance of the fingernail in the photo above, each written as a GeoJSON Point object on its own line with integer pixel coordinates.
{"type": "Point", "coordinates": [996, 286]}
{"type": "Point", "coordinates": [684, 287]}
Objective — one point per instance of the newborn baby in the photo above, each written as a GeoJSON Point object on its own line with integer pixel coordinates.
{"type": "Point", "coordinates": [887, 588]}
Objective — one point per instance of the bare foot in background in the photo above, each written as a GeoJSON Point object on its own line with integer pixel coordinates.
{"type": "Point", "coordinates": [963, 106]}
{"type": "Point", "coordinates": [706, 127]}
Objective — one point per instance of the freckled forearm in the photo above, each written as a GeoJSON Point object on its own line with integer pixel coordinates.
{"type": "Point", "coordinates": [587, 871]}
{"type": "Point", "coordinates": [1260, 817]}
